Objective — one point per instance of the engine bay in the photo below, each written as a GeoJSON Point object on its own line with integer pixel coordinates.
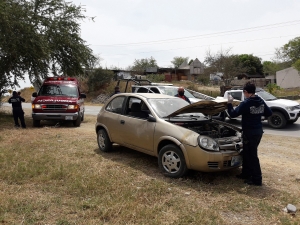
{"type": "Point", "coordinates": [212, 129]}
{"type": "Point", "coordinates": [227, 138]}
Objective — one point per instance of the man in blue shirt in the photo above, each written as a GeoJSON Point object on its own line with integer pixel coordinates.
{"type": "Point", "coordinates": [251, 109]}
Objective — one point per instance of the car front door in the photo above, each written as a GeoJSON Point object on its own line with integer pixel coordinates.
{"type": "Point", "coordinates": [137, 132]}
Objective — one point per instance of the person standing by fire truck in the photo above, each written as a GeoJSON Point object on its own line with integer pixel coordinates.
{"type": "Point", "coordinates": [18, 113]}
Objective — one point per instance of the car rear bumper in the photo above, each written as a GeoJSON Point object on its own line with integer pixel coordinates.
{"type": "Point", "coordinates": [55, 116]}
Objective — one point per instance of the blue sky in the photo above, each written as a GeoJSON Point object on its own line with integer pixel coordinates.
{"type": "Point", "coordinates": [125, 30]}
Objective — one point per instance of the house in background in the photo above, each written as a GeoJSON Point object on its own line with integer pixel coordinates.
{"type": "Point", "coordinates": [190, 72]}
{"type": "Point", "coordinates": [183, 72]}
{"type": "Point", "coordinates": [288, 78]}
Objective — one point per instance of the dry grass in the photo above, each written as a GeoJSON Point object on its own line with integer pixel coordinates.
{"type": "Point", "coordinates": [52, 175]}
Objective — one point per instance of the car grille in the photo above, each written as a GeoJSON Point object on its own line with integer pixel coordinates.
{"type": "Point", "coordinates": [215, 165]}
{"type": "Point", "coordinates": [54, 107]}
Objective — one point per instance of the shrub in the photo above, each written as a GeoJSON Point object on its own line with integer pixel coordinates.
{"type": "Point", "coordinates": [99, 78]}
{"type": "Point", "coordinates": [156, 77]}
{"type": "Point", "coordinates": [272, 88]}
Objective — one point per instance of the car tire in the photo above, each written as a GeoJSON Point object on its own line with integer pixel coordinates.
{"type": "Point", "coordinates": [171, 161]}
{"type": "Point", "coordinates": [36, 123]}
{"type": "Point", "coordinates": [77, 122]}
{"type": "Point", "coordinates": [103, 140]}
{"type": "Point", "coordinates": [277, 120]}
{"type": "Point", "coordinates": [82, 118]}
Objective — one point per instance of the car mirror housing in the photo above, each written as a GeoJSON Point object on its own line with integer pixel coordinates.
{"type": "Point", "coordinates": [151, 118]}
{"type": "Point", "coordinates": [34, 94]}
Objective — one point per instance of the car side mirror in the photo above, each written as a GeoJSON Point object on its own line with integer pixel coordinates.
{"type": "Point", "coordinates": [34, 94]}
{"type": "Point", "coordinates": [151, 118]}
{"type": "Point", "coordinates": [82, 95]}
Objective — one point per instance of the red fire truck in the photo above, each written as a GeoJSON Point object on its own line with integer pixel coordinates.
{"type": "Point", "coordinates": [59, 98]}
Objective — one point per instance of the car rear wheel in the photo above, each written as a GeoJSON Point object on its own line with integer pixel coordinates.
{"type": "Point", "coordinates": [277, 120]}
{"type": "Point", "coordinates": [104, 142]}
{"type": "Point", "coordinates": [36, 123]}
{"type": "Point", "coordinates": [171, 161]}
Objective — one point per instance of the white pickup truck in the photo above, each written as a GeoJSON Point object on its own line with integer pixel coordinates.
{"type": "Point", "coordinates": [284, 111]}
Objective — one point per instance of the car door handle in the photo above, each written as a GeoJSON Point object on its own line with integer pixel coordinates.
{"type": "Point", "coordinates": [122, 121]}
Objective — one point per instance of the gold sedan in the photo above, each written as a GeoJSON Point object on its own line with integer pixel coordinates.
{"type": "Point", "coordinates": [171, 129]}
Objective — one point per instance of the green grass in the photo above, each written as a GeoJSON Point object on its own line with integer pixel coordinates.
{"type": "Point", "coordinates": [54, 175]}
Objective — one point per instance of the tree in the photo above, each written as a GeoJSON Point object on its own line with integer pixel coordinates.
{"type": "Point", "coordinates": [296, 65]}
{"type": "Point", "coordinates": [178, 60]}
{"type": "Point", "coordinates": [251, 64]}
{"type": "Point", "coordinates": [140, 65]}
{"type": "Point", "coordinates": [38, 37]}
{"type": "Point", "coordinates": [289, 52]}
{"type": "Point", "coordinates": [270, 67]}
{"type": "Point", "coordinates": [98, 78]}
{"type": "Point", "coordinates": [223, 62]}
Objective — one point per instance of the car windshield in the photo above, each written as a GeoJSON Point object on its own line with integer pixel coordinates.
{"type": "Point", "coordinates": [54, 90]}
{"type": "Point", "coordinates": [172, 91]}
{"type": "Point", "coordinates": [165, 106]}
{"type": "Point", "coordinates": [266, 96]}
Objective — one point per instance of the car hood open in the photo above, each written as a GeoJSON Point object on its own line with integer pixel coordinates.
{"type": "Point", "coordinates": [208, 107]}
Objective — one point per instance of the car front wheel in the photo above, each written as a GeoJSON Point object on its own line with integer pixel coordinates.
{"type": "Point", "coordinates": [77, 122]}
{"type": "Point", "coordinates": [277, 120]}
{"type": "Point", "coordinates": [171, 161]}
{"type": "Point", "coordinates": [104, 142]}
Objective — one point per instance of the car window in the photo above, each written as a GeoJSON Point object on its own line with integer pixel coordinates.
{"type": "Point", "coordinates": [137, 108]}
{"type": "Point", "coordinates": [65, 90]}
{"type": "Point", "coordinates": [143, 90]}
{"type": "Point", "coordinates": [266, 96]}
{"type": "Point", "coordinates": [116, 105]}
{"type": "Point", "coordinates": [172, 91]}
{"type": "Point", "coordinates": [236, 95]}
{"type": "Point", "coordinates": [155, 90]}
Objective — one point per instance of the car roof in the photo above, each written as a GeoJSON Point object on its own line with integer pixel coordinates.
{"type": "Point", "coordinates": [147, 95]}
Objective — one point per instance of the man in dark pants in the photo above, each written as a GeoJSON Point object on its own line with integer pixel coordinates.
{"type": "Point", "coordinates": [251, 109]}
{"type": "Point", "coordinates": [181, 94]}
{"type": "Point", "coordinates": [18, 112]}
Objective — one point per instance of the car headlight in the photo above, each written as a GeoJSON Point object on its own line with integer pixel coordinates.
{"type": "Point", "coordinates": [36, 106]}
{"type": "Point", "coordinates": [208, 143]}
{"type": "Point", "coordinates": [72, 106]}
{"type": "Point", "coordinates": [290, 108]}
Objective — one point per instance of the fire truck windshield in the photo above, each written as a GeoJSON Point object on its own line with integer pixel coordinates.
{"type": "Point", "coordinates": [58, 90]}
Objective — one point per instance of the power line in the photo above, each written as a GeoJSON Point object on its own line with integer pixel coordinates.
{"type": "Point", "coordinates": [237, 31]}
{"type": "Point", "coordinates": [208, 45]}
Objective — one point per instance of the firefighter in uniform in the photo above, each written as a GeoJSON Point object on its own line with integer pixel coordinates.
{"type": "Point", "coordinates": [18, 113]}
